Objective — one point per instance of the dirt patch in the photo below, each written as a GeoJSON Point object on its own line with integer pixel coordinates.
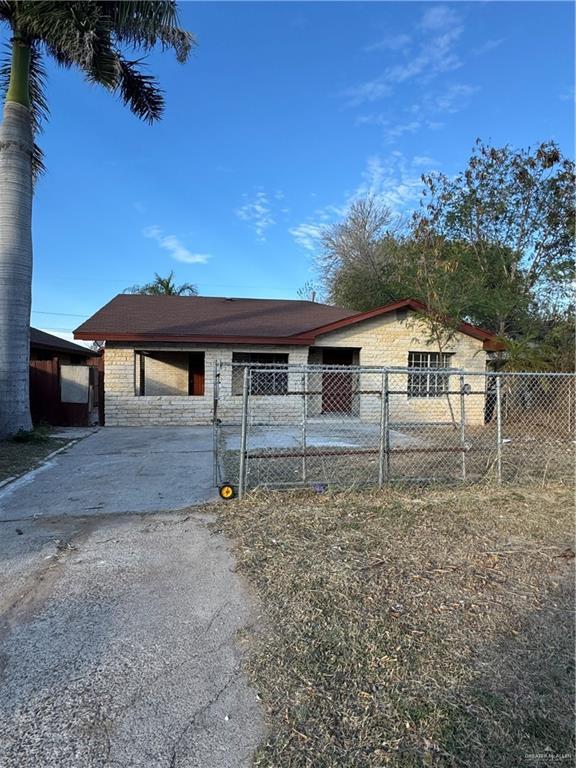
{"type": "Point", "coordinates": [410, 629]}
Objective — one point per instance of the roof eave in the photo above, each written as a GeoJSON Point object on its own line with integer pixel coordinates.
{"type": "Point", "coordinates": [413, 304]}
{"type": "Point", "coordinates": [494, 345]}
{"type": "Point", "coordinates": [195, 339]}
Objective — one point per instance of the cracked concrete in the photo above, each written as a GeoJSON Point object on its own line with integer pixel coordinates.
{"type": "Point", "coordinates": [119, 642]}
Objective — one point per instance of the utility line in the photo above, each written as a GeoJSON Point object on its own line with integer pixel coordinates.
{"type": "Point", "coordinates": [61, 314]}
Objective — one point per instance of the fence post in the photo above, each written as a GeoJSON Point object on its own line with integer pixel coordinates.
{"type": "Point", "coordinates": [244, 434]}
{"type": "Point", "coordinates": [570, 383]}
{"type": "Point", "coordinates": [463, 427]}
{"type": "Point", "coordinates": [215, 428]}
{"type": "Point", "coordinates": [384, 452]}
{"type": "Point", "coordinates": [387, 427]}
{"type": "Point", "coordinates": [498, 430]}
{"type": "Point", "coordinates": [304, 424]}
{"type": "Point", "coordinates": [382, 439]}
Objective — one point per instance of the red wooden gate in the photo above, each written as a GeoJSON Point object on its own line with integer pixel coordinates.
{"type": "Point", "coordinates": [44, 391]}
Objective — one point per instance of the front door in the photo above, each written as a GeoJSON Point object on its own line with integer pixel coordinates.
{"type": "Point", "coordinates": [337, 385]}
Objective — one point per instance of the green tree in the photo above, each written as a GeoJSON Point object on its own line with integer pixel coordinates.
{"type": "Point", "coordinates": [164, 286]}
{"type": "Point", "coordinates": [99, 38]}
{"type": "Point", "coordinates": [514, 211]}
{"type": "Point", "coordinates": [493, 245]}
{"type": "Point", "coordinates": [546, 342]}
{"type": "Point", "coordinates": [371, 259]}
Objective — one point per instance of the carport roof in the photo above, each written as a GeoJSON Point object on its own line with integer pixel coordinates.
{"type": "Point", "coordinates": [42, 340]}
{"type": "Point", "coordinates": [216, 319]}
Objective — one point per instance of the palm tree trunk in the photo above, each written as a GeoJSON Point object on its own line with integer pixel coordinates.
{"type": "Point", "coordinates": [16, 145]}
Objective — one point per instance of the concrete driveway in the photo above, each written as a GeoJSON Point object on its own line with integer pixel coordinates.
{"type": "Point", "coordinates": [122, 635]}
{"type": "Point", "coordinates": [118, 469]}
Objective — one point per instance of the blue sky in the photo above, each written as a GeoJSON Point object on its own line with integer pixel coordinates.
{"type": "Point", "coordinates": [285, 113]}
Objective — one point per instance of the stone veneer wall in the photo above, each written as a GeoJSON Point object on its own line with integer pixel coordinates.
{"type": "Point", "coordinates": [386, 341]}
{"type": "Point", "coordinates": [124, 408]}
{"type": "Point", "coordinates": [166, 373]}
{"type": "Point", "coordinates": [383, 341]}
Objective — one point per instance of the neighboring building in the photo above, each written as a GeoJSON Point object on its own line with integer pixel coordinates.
{"type": "Point", "coordinates": [161, 354]}
{"type": "Point", "coordinates": [66, 387]}
{"type": "Point", "coordinates": [45, 346]}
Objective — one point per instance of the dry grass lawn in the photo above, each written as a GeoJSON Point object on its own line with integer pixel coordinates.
{"type": "Point", "coordinates": [17, 457]}
{"type": "Point", "coordinates": [412, 628]}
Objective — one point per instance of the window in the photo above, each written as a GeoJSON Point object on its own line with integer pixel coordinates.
{"type": "Point", "coordinates": [428, 382]}
{"type": "Point", "coordinates": [265, 381]}
{"type": "Point", "coordinates": [179, 374]}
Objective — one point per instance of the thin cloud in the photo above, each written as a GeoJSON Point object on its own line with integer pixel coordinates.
{"type": "Point", "coordinates": [568, 94]}
{"type": "Point", "coordinates": [435, 57]}
{"type": "Point", "coordinates": [392, 43]}
{"type": "Point", "coordinates": [438, 18]}
{"type": "Point", "coordinates": [174, 246]}
{"type": "Point", "coordinates": [439, 30]}
{"type": "Point", "coordinates": [423, 161]}
{"type": "Point", "coordinates": [392, 180]}
{"type": "Point", "coordinates": [488, 46]}
{"type": "Point", "coordinates": [368, 92]}
{"type": "Point", "coordinates": [308, 235]}
{"type": "Point", "coordinates": [454, 99]}
{"type": "Point", "coordinates": [390, 131]}
{"type": "Point", "coordinates": [422, 115]}
{"type": "Point", "coordinates": [257, 211]}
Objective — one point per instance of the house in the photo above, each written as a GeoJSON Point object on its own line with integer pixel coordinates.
{"type": "Point", "coordinates": [161, 354]}
{"type": "Point", "coordinates": [66, 385]}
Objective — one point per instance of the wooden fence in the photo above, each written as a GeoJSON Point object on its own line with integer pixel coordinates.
{"type": "Point", "coordinates": [45, 395]}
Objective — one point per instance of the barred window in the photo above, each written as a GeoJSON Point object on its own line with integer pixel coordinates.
{"type": "Point", "coordinates": [428, 383]}
{"type": "Point", "coordinates": [264, 381]}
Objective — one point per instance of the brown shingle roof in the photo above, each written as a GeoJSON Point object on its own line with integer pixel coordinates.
{"type": "Point", "coordinates": [133, 316]}
{"type": "Point", "coordinates": [217, 319]}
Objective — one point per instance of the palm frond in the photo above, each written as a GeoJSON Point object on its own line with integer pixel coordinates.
{"type": "Point", "coordinates": [139, 91]}
{"type": "Point", "coordinates": [187, 289]}
{"type": "Point", "coordinates": [60, 56]}
{"type": "Point", "coordinates": [143, 24]}
{"type": "Point", "coordinates": [39, 111]}
{"type": "Point", "coordinates": [74, 33]}
{"type": "Point", "coordinates": [93, 35]}
{"type": "Point", "coordinates": [38, 102]}
{"type": "Point", "coordinates": [38, 165]}
{"type": "Point", "coordinates": [163, 286]}
{"type": "Point", "coordinates": [6, 10]}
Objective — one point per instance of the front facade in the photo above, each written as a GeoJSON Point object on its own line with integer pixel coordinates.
{"type": "Point", "coordinates": [164, 373]}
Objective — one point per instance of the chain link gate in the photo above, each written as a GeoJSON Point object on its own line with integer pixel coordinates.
{"type": "Point", "coordinates": [283, 426]}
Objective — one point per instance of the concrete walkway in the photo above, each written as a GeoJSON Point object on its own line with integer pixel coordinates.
{"type": "Point", "coordinates": [118, 469]}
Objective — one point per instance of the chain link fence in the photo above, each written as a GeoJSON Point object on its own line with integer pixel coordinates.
{"type": "Point", "coordinates": [317, 426]}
